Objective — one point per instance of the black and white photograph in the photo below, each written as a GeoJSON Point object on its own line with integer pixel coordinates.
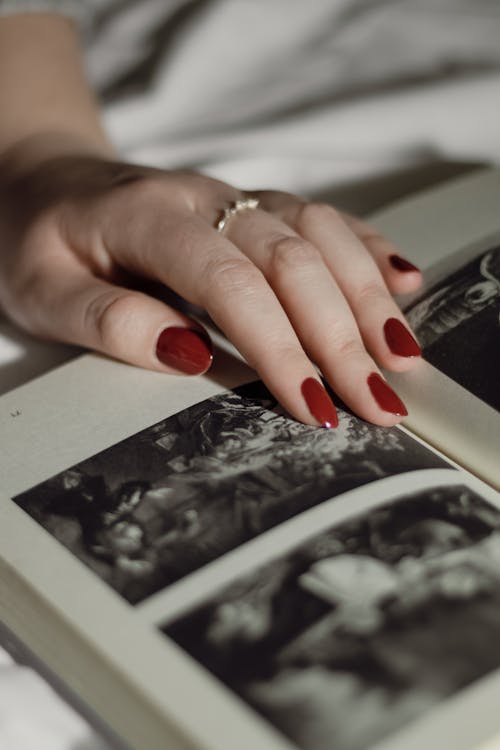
{"type": "Point", "coordinates": [178, 495]}
{"type": "Point", "coordinates": [366, 626]}
{"type": "Point", "coordinates": [457, 323]}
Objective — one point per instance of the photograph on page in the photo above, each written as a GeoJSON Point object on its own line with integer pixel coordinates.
{"type": "Point", "coordinates": [457, 322]}
{"type": "Point", "coordinates": [359, 630]}
{"type": "Point", "coordinates": [166, 501]}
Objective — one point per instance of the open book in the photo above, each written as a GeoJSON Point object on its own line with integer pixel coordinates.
{"type": "Point", "coordinates": [206, 573]}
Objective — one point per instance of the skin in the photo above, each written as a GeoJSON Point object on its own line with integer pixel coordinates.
{"type": "Point", "coordinates": [294, 285]}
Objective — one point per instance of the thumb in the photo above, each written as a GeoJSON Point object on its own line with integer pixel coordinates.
{"type": "Point", "coordinates": [67, 303]}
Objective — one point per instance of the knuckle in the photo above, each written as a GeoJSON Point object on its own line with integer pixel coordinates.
{"type": "Point", "coordinates": [160, 192]}
{"type": "Point", "coordinates": [368, 234]}
{"type": "Point", "coordinates": [108, 315]}
{"type": "Point", "coordinates": [345, 343]}
{"type": "Point", "coordinates": [350, 347]}
{"type": "Point", "coordinates": [370, 292]}
{"type": "Point", "coordinates": [292, 253]}
{"type": "Point", "coordinates": [310, 214]}
{"type": "Point", "coordinates": [227, 276]}
{"type": "Point", "coordinates": [288, 355]}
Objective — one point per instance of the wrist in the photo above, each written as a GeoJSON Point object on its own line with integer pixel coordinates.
{"type": "Point", "coordinates": [33, 151]}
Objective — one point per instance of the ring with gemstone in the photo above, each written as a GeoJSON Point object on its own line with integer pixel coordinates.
{"type": "Point", "coordinates": [245, 204]}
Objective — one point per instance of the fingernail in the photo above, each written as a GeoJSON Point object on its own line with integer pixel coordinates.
{"type": "Point", "coordinates": [319, 403]}
{"type": "Point", "coordinates": [401, 264]}
{"type": "Point", "coordinates": [385, 396]}
{"type": "Point", "coordinates": [185, 349]}
{"type": "Point", "coordinates": [399, 339]}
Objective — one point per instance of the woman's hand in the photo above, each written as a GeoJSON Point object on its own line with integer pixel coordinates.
{"type": "Point", "coordinates": [293, 285]}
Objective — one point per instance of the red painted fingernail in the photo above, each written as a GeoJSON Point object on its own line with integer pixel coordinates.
{"type": "Point", "coordinates": [319, 403]}
{"type": "Point", "coordinates": [385, 396]}
{"type": "Point", "coordinates": [401, 264]}
{"type": "Point", "coordinates": [399, 339]}
{"type": "Point", "coordinates": [185, 349]}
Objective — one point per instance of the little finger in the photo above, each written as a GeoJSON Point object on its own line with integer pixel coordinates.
{"type": "Point", "coordinates": [400, 274]}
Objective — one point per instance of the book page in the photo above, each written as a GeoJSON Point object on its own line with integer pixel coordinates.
{"type": "Point", "coordinates": [453, 397]}
{"type": "Point", "coordinates": [199, 566]}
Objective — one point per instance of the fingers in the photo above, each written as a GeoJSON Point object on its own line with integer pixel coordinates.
{"type": "Point", "coordinates": [400, 275]}
{"type": "Point", "coordinates": [68, 303]}
{"type": "Point", "coordinates": [383, 328]}
{"type": "Point", "coordinates": [242, 303]}
{"type": "Point", "coordinates": [286, 291]}
{"type": "Point", "coordinates": [144, 232]}
{"type": "Point", "coordinates": [284, 305]}
{"type": "Point", "coordinates": [318, 312]}
{"type": "Point", "coordinates": [209, 271]}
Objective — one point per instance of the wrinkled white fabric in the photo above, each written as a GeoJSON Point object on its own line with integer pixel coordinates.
{"type": "Point", "coordinates": [277, 94]}
{"type": "Point", "coordinates": [33, 716]}
{"type": "Point", "coordinates": [291, 94]}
